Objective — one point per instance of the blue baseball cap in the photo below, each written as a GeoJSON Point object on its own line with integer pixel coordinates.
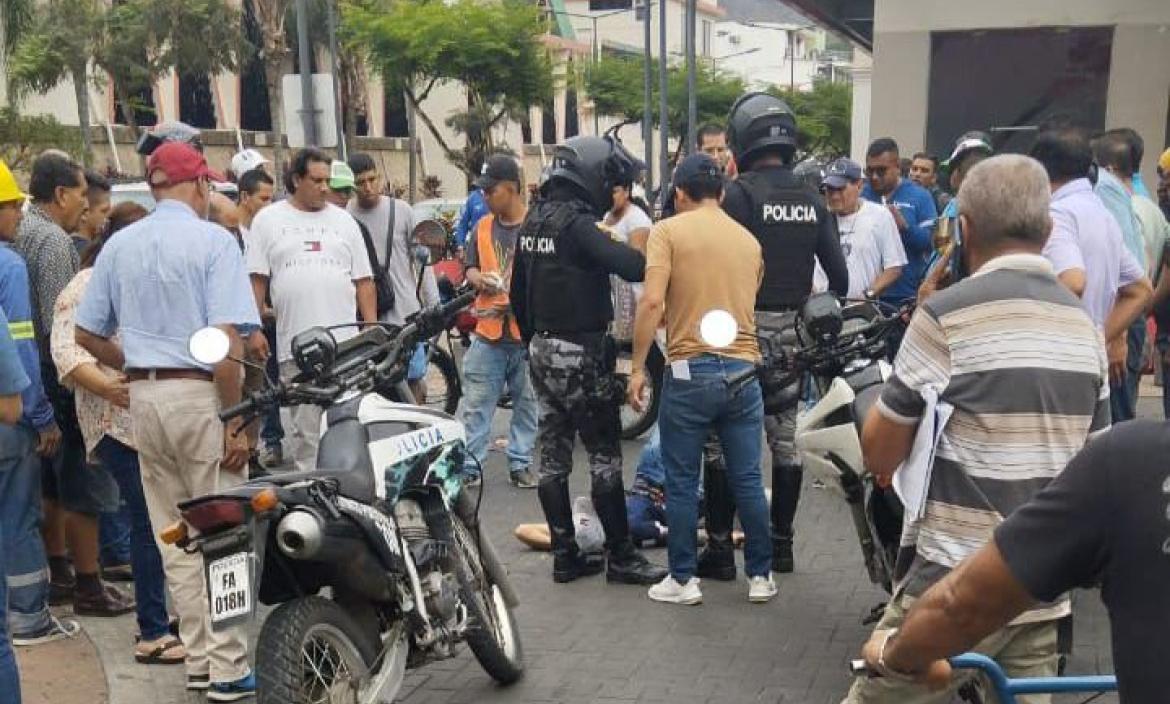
{"type": "Point", "coordinates": [694, 166]}
{"type": "Point", "coordinates": [841, 173]}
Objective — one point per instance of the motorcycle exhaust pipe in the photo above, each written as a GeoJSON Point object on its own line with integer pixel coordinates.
{"type": "Point", "coordinates": [303, 536]}
{"type": "Point", "coordinates": [300, 534]}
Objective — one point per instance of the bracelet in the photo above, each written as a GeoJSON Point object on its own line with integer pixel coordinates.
{"type": "Point", "coordinates": [886, 669]}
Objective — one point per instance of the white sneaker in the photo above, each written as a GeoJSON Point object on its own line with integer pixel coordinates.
{"type": "Point", "coordinates": [761, 589]}
{"type": "Point", "coordinates": [671, 592]}
{"type": "Point", "coordinates": [58, 629]}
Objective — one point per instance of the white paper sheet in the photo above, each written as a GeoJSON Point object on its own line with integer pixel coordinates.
{"type": "Point", "coordinates": [912, 479]}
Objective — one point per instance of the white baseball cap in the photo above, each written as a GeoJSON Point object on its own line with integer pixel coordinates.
{"type": "Point", "coordinates": [246, 160]}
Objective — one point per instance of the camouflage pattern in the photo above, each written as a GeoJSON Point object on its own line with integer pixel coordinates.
{"type": "Point", "coordinates": [780, 429]}
{"type": "Point", "coordinates": [578, 393]}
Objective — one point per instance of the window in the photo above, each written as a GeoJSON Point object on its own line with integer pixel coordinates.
{"type": "Point", "coordinates": [397, 121]}
{"type": "Point", "coordinates": [608, 5]}
{"type": "Point", "coordinates": [255, 113]}
{"type": "Point", "coordinates": [706, 45]}
{"type": "Point", "coordinates": [196, 106]}
{"type": "Point", "coordinates": [572, 128]}
{"type": "Point", "coordinates": [1025, 77]}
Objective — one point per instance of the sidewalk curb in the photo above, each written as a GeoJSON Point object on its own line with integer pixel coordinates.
{"type": "Point", "coordinates": [127, 681]}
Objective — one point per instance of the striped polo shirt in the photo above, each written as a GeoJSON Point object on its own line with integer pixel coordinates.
{"type": "Point", "coordinates": [1015, 354]}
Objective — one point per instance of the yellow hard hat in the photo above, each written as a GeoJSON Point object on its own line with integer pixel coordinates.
{"type": "Point", "coordinates": [9, 191]}
{"type": "Point", "coordinates": [1164, 162]}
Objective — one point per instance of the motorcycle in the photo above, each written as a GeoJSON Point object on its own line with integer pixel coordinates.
{"type": "Point", "coordinates": [841, 352]}
{"type": "Point", "coordinates": [375, 561]}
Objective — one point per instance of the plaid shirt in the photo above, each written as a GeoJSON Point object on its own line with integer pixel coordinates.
{"type": "Point", "coordinates": [52, 262]}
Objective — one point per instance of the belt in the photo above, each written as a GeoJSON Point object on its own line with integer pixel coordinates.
{"type": "Point", "coordinates": [165, 374]}
{"type": "Point", "coordinates": [577, 338]}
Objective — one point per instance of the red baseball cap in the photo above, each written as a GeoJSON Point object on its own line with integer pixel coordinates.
{"type": "Point", "coordinates": [178, 162]}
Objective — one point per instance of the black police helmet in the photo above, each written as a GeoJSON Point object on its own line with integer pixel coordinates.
{"type": "Point", "coordinates": [595, 165]}
{"type": "Point", "coordinates": [170, 131]}
{"type": "Point", "coordinates": [811, 172]}
{"type": "Point", "coordinates": [758, 122]}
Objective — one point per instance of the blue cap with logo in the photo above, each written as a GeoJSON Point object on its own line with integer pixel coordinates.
{"type": "Point", "coordinates": [694, 166]}
{"type": "Point", "coordinates": [841, 173]}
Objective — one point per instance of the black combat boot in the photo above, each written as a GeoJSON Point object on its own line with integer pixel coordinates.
{"type": "Point", "coordinates": [624, 564]}
{"type": "Point", "coordinates": [569, 562]}
{"type": "Point", "coordinates": [717, 560]}
{"type": "Point", "coordinates": [785, 497]}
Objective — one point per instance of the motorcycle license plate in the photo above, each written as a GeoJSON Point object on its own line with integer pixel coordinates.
{"type": "Point", "coordinates": [229, 587]}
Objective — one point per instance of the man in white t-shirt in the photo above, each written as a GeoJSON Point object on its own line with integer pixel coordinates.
{"type": "Point", "coordinates": [869, 236]}
{"type": "Point", "coordinates": [312, 255]}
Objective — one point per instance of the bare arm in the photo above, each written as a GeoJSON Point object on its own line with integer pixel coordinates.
{"type": "Point", "coordinates": [638, 239]}
{"type": "Point", "coordinates": [260, 290]}
{"type": "Point", "coordinates": [367, 300]}
{"type": "Point", "coordinates": [103, 349]}
{"type": "Point", "coordinates": [1132, 301]}
{"type": "Point", "coordinates": [886, 279]}
{"type": "Point", "coordinates": [976, 599]}
{"type": "Point", "coordinates": [1163, 291]}
{"type": "Point", "coordinates": [11, 408]}
{"type": "Point", "coordinates": [228, 385]}
{"type": "Point", "coordinates": [885, 444]}
{"type": "Point", "coordinates": [646, 320]}
{"type": "Point", "coordinates": [1074, 280]}
{"type": "Point", "coordinates": [93, 379]}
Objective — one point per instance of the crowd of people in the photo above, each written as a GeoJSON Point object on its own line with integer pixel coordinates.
{"type": "Point", "coordinates": [1034, 277]}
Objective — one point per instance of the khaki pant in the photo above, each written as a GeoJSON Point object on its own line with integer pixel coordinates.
{"type": "Point", "coordinates": [1022, 651]}
{"type": "Point", "coordinates": [180, 444]}
{"type": "Point", "coordinates": [302, 425]}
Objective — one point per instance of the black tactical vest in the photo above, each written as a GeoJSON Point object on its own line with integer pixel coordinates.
{"type": "Point", "coordinates": [786, 219]}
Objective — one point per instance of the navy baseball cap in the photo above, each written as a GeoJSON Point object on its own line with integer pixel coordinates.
{"type": "Point", "coordinates": [841, 173]}
{"type": "Point", "coordinates": [694, 166]}
{"type": "Point", "coordinates": [499, 168]}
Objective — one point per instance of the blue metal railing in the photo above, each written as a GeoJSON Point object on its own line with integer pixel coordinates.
{"type": "Point", "coordinates": [1006, 688]}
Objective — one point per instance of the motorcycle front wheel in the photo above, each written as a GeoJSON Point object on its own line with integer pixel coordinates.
{"type": "Point", "coordinates": [635, 423]}
{"type": "Point", "coordinates": [492, 632]}
{"type": "Point", "coordinates": [310, 650]}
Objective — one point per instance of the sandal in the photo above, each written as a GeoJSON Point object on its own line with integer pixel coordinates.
{"type": "Point", "coordinates": [169, 651]}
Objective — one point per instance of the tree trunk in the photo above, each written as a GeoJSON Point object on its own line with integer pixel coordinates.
{"type": "Point", "coordinates": [81, 93]}
{"type": "Point", "coordinates": [123, 98]}
{"type": "Point", "coordinates": [273, 70]}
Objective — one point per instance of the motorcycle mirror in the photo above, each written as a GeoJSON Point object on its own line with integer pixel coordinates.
{"type": "Point", "coordinates": [718, 328]}
{"type": "Point", "coordinates": [209, 345]}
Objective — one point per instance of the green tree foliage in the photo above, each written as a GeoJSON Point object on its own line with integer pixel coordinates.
{"type": "Point", "coordinates": [493, 49]}
{"type": "Point", "coordinates": [822, 114]}
{"type": "Point", "coordinates": [22, 138]}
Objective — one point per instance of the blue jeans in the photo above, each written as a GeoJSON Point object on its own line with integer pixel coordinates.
{"type": "Point", "coordinates": [690, 410]}
{"type": "Point", "coordinates": [272, 432]}
{"type": "Point", "coordinates": [1163, 344]}
{"type": "Point", "coordinates": [9, 677]}
{"type": "Point", "coordinates": [20, 524]}
{"type": "Point", "coordinates": [149, 583]}
{"type": "Point", "coordinates": [1123, 397]}
{"type": "Point", "coordinates": [114, 532]}
{"type": "Point", "coordinates": [487, 368]}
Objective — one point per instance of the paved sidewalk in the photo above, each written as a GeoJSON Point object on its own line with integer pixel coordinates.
{"type": "Point", "coordinates": [588, 642]}
{"type": "Point", "coordinates": [41, 670]}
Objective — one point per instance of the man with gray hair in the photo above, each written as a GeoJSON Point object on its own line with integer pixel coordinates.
{"type": "Point", "coordinates": [1015, 355]}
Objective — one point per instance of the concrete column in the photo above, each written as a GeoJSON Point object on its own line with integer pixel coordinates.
{"type": "Point", "coordinates": [900, 98]}
{"type": "Point", "coordinates": [862, 104]}
{"type": "Point", "coordinates": [1138, 92]}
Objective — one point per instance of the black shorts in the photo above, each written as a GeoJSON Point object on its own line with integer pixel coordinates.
{"type": "Point", "coordinates": [66, 477]}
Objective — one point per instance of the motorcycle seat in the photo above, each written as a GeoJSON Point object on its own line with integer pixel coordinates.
{"type": "Point", "coordinates": [342, 455]}
{"type": "Point", "coordinates": [865, 400]}
{"type": "Point", "coordinates": [350, 484]}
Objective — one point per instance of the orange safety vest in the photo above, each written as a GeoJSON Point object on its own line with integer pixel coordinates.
{"type": "Point", "coordinates": [493, 310]}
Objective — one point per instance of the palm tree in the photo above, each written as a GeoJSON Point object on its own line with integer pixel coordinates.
{"type": "Point", "coordinates": [270, 16]}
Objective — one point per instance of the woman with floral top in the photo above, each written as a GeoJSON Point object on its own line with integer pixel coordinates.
{"type": "Point", "coordinates": [102, 402]}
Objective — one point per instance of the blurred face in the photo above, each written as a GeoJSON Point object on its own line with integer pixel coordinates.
{"type": "Point", "coordinates": [71, 205]}
{"type": "Point", "coordinates": [883, 172]}
{"type": "Point", "coordinates": [340, 197]}
{"type": "Point", "coordinates": [10, 217]}
{"type": "Point", "coordinates": [621, 198]}
{"type": "Point", "coordinates": [96, 215]}
{"type": "Point", "coordinates": [715, 146]}
{"type": "Point", "coordinates": [922, 172]}
{"type": "Point", "coordinates": [369, 189]}
{"type": "Point", "coordinates": [253, 203]}
{"type": "Point", "coordinates": [501, 197]}
{"type": "Point", "coordinates": [846, 200]}
{"type": "Point", "coordinates": [312, 190]}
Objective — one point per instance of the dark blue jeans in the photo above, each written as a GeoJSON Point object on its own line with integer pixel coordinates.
{"type": "Point", "coordinates": [9, 677]}
{"type": "Point", "coordinates": [1163, 344]}
{"type": "Point", "coordinates": [1123, 397]}
{"type": "Point", "coordinates": [271, 432]}
{"type": "Point", "coordinates": [690, 410]}
{"type": "Point", "coordinates": [20, 523]}
{"type": "Point", "coordinates": [114, 531]}
{"type": "Point", "coordinates": [149, 583]}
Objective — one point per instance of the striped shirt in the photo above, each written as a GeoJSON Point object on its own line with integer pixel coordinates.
{"type": "Point", "coordinates": [1015, 354]}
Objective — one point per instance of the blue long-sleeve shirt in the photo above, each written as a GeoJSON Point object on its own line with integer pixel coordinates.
{"type": "Point", "coordinates": [17, 305]}
{"type": "Point", "coordinates": [474, 209]}
{"type": "Point", "coordinates": [918, 209]}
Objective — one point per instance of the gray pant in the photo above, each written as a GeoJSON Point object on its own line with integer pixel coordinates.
{"type": "Point", "coordinates": [302, 425]}
{"type": "Point", "coordinates": [775, 329]}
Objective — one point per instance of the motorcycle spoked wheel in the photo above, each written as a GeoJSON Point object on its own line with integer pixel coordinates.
{"type": "Point", "coordinates": [492, 632]}
{"type": "Point", "coordinates": [311, 651]}
{"type": "Point", "coordinates": [635, 424]}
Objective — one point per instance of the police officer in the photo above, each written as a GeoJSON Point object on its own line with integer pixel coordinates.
{"type": "Point", "coordinates": [561, 297]}
{"type": "Point", "coordinates": [795, 230]}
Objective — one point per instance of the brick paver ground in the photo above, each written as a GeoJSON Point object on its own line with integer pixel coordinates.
{"type": "Point", "coordinates": [591, 643]}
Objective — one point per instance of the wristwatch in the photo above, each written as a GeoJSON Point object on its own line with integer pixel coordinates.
{"type": "Point", "coordinates": [870, 294]}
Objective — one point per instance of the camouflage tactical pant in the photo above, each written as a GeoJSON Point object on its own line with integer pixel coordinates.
{"type": "Point", "coordinates": [578, 394]}
{"type": "Point", "coordinates": [780, 429]}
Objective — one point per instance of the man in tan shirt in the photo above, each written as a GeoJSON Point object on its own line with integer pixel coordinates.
{"type": "Point", "coordinates": [697, 262]}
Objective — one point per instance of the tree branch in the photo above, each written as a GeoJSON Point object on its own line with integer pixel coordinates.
{"type": "Point", "coordinates": [426, 91]}
{"type": "Point", "coordinates": [453, 156]}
